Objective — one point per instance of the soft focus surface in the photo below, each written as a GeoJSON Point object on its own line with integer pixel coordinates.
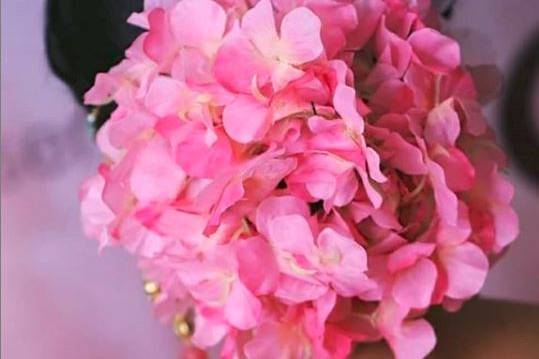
{"type": "Point", "coordinates": [51, 277]}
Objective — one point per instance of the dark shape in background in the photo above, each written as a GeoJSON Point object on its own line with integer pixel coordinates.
{"type": "Point", "coordinates": [518, 124]}
{"type": "Point", "coordinates": [85, 37]}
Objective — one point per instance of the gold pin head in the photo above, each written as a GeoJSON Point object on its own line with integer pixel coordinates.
{"type": "Point", "coordinates": [182, 327]}
{"type": "Point", "coordinates": [152, 289]}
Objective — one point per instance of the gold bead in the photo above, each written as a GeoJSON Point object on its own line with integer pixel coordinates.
{"type": "Point", "coordinates": [181, 327]}
{"type": "Point", "coordinates": [92, 116]}
{"type": "Point", "coordinates": [152, 289]}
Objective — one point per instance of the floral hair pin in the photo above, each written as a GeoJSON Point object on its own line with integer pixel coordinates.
{"type": "Point", "coordinates": [298, 177]}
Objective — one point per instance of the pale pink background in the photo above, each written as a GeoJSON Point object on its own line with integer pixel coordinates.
{"type": "Point", "coordinates": [59, 298]}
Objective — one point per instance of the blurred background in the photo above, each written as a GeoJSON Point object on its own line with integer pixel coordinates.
{"type": "Point", "coordinates": [60, 299]}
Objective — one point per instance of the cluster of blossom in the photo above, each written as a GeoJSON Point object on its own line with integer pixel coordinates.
{"type": "Point", "coordinates": [299, 176]}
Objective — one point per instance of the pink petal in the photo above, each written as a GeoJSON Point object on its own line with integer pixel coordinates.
{"type": "Point", "coordinates": [404, 156]}
{"type": "Point", "coordinates": [476, 123]}
{"type": "Point", "coordinates": [506, 224]}
{"type": "Point", "coordinates": [321, 184]}
{"type": "Point", "coordinates": [102, 91]}
{"type": "Point", "coordinates": [443, 125]}
{"type": "Point", "coordinates": [198, 159]}
{"type": "Point", "coordinates": [344, 101]}
{"type": "Point", "coordinates": [338, 20]}
{"type": "Point", "coordinates": [193, 67]}
{"type": "Point", "coordinates": [392, 96]}
{"type": "Point", "coordinates": [435, 51]}
{"type": "Point", "coordinates": [139, 240]}
{"type": "Point", "coordinates": [208, 332]}
{"type": "Point", "coordinates": [449, 235]}
{"type": "Point", "coordinates": [283, 74]}
{"type": "Point", "coordinates": [258, 267]}
{"type": "Point", "coordinates": [165, 4]}
{"type": "Point", "coordinates": [446, 200]}
{"type": "Point", "coordinates": [237, 48]}
{"type": "Point", "coordinates": [186, 227]}
{"type": "Point", "coordinates": [375, 197]}
{"type": "Point", "coordinates": [415, 340]}
{"type": "Point", "coordinates": [242, 309]}
{"type": "Point", "coordinates": [276, 340]}
{"type": "Point", "coordinates": [413, 286]}
{"type": "Point", "coordinates": [393, 50]}
{"type": "Point", "coordinates": [198, 23]}
{"type": "Point", "coordinates": [296, 290]}
{"type": "Point", "coordinates": [265, 343]}
{"type": "Point", "coordinates": [324, 305]}
{"type": "Point", "coordinates": [407, 255]}
{"type": "Point", "coordinates": [466, 266]}
{"type": "Point", "coordinates": [122, 131]}
{"type": "Point", "coordinates": [373, 163]}
{"type": "Point", "coordinates": [368, 13]}
{"type": "Point", "coordinates": [95, 214]}
{"type": "Point", "coordinates": [258, 24]}
{"type": "Point", "coordinates": [155, 176]}
{"type": "Point", "coordinates": [246, 119]}
{"type": "Point", "coordinates": [300, 36]}
{"type": "Point", "coordinates": [347, 186]}
{"type": "Point", "coordinates": [291, 233]}
{"type": "Point", "coordinates": [167, 96]}
{"type": "Point", "coordinates": [159, 43]}
{"type": "Point", "coordinates": [459, 172]}
{"type": "Point", "coordinates": [345, 261]}
{"type": "Point", "coordinates": [274, 207]}
{"type": "Point", "coordinates": [232, 193]}
{"type": "Point", "coordinates": [266, 178]}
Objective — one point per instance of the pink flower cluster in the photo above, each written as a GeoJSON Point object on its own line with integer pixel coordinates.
{"type": "Point", "coordinates": [299, 175]}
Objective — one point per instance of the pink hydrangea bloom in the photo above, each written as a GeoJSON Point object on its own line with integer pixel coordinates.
{"type": "Point", "coordinates": [298, 176]}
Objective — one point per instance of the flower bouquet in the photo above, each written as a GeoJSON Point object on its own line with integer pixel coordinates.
{"type": "Point", "coordinates": [296, 177]}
